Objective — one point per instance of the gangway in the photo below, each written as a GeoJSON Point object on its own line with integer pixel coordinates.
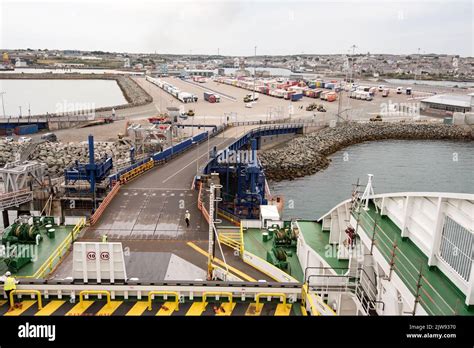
{"type": "Point", "coordinates": [15, 199]}
{"type": "Point", "coordinates": [320, 280]}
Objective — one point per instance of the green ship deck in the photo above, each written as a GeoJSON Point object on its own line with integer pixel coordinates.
{"type": "Point", "coordinates": [42, 252]}
{"type": "Point", "coordinates": [254, 243]}
{"type": "Point", "coordinates": [318, 240]}
{"type": "Point", "coordinates": [438, 295]}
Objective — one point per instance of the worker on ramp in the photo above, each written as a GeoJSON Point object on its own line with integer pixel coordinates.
{"type": "Point", "coordinates": [187, 218]}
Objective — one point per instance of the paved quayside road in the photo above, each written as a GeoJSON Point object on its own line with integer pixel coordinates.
{"type": "Point", "coordinates": [147, 215]}
{"type": "Point", "coordinates": [153, 205]}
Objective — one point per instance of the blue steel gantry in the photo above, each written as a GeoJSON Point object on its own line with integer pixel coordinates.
{"type": "Point", "coordinates": [93, 172]}
{"type": "Point", "coordinates": [240, 171]}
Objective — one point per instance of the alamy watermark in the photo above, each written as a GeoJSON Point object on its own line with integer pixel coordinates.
{"type": "Point", "coordinates": [8, 251]}
{"type": "Point", "coordinates": [66, 108]}
{"type": "Point", "coordinates": [237, 157]}
{"type": "Point", "coordinates": [406, 109]}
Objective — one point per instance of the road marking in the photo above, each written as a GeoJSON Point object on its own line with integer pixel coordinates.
{"type": "Point", "coordinates": [109, 308]}
{"type": "Point", "coordinates": [138, 308]}
{"type": "Point", "coordinates": [167, 309]}
{"type": "Point", "coordinates": [50, 308]}
{"type": "Point", "coordinates": [303, 311]}
{"type": "Point", "coordinates": [2, 303]}
{"type": "Point", "coordinates": [226, 309]}
{"type": "Point", "coordinates": [283, 309]}
{"type": "Point", "coordinates": [254, 310]}
{"type": "Point", "coordinates": [18, 311]}
{"type": "Point", "coordinates": [222, 263]}
{"type": "Point", "coordinates": [196, 308]}
{"type": "Point", "coordinates": [80, 308]}
{"type": "Point", "coordinates": [194, 160]}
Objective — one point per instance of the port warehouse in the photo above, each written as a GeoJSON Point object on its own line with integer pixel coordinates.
{"type": "Point", "coordinates": [449, 103]}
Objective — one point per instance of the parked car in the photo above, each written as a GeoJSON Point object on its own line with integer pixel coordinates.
{"type": "Point", "coordinates": [24, 140]}
{"type": "Point", "coordinates": [9, 139]}
{"type": "Point", "coordinates": [51, 137]}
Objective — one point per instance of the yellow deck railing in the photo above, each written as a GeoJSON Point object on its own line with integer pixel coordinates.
{"type": "Point", "coordinates": [164, 293]}
{"type": "Point", "coordinates": [94, 292]}
{"type": "Point", "coordinates": [217, 293]}
{"type": "Point", "coordinates": [31, 292]}
{"type": "Point", "coordinates": [270, 294]}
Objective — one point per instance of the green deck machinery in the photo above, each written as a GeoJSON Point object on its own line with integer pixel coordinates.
{"type": "Point", "coordinates": [284, 242]}
{"type": "Point", "coordinates": [19, 238]}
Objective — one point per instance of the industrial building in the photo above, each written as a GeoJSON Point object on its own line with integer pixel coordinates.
{"type": "Point", "coordinates": [446, 104]}
{"type": "Point", "coordinates": [198, 72]}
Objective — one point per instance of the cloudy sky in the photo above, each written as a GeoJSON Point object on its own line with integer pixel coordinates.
{"type": "Point", "coordinates": [275, 27]}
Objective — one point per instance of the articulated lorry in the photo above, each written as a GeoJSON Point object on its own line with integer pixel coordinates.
{"type": "Point", "coordinates": [211, 97]}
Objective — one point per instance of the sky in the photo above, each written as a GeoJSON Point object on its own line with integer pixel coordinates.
{"type": "Point", "coordinates": [235, 28]}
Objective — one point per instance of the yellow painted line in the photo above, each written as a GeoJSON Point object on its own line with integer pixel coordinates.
{"type": "Point", "coordinates": [138, 308]}
{"type": "Point", "coordinates": [167, 309]}
{"type": "Point", "coordinates": [109, 308]}
{"type": "Point", "coordinates": [222, 263]}
{"type": "Point", "coordinates": [24, 306]}
{"type": "Point", "coordinates": [80, 308]}
{"type": "Point", "coordinates": [303, 311]}
{"type": "Point", "coordinates": [2, 303]}
{"type": "Point", "coordinates": [197, 308]}
{"type": "Point", "coordinates": [253, 309]}
{"type": "Point", "coordinates": [50, 308]}
{"type": "Point", "coordinates": [283, 309]}
{"type": "Point", "coordinates": [265, 272]}
{"type": "Point", "coordinates": [226, 309]}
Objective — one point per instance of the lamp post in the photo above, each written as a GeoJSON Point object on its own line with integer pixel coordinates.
{"type": "Point", "coordinates": [3, 103]}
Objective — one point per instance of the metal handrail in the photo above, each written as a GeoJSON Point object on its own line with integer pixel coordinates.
{"type": "Point", "coordinates": [412, 272]}
{"type": "Point", "coordinates": [33, 292]}
{"type": "Point", "coordinates": [94, 292]}
{"type": "Point", "coordinates": [165, 293]}
{"type": "Point", "coordinates": [216, 293]}
{"type": "Point", "coordinates": [270, 294]}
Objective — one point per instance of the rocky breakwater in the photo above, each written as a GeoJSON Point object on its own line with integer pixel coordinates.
{"type": "Point", "coordinates": [59, 156]}
{"type": "Point", "coordinates": [308, 154]}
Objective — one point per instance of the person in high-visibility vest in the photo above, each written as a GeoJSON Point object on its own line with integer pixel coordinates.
{"type": "Point", "coordinates": [104, 238]}
{"type": "Point", "coordinates": [9, 285]}
{"type": "Point", "coordinates": [187, 217]}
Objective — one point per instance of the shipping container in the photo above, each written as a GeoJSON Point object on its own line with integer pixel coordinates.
{"type": "Point", "coordinates": [296, 96]}
{"type": "Point", "coordinates": [26, 129]}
